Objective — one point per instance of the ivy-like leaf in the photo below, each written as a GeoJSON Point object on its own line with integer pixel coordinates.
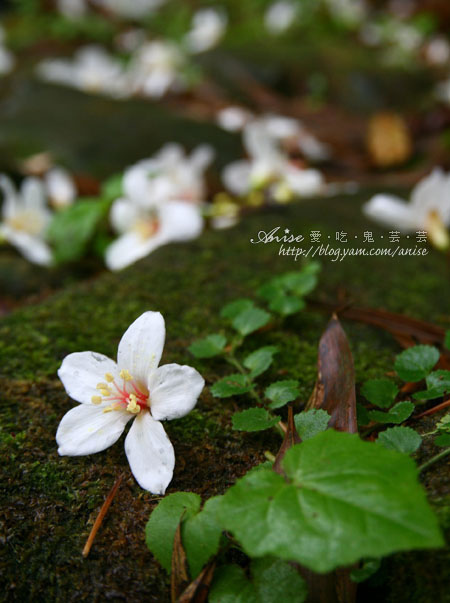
{"type": "Point", "coordinates": [311, 422]}
{"type": "Point", "coordinates": [201, 536]}
{"type": "Point", "coordinates": [447, 340]}
{"type": "Point", "coordinates": [415, 363]}
{"type": "Point", "coordinates": [282, 392]}
{"type": "Point", "coordinates": [381, 392]}
{"type": "Point", "coordinates": [364, 497]}
{"type": "Point", "coordinates": [438, 384]}
{"type": "Point", "coordinates": [236, 307]}
{"type": "Point", "coordinates": [210, 346]}
{"type": "Point", "coordinates": [442, 440]}
{"type": "Point", "coordinates": [301, 283]}
{"type": "Point", "coordinates": [71, 229]}
{"type": "Point", "coordinates": [273, 580]}
{"type": "Point", "coordinates": [163, 522]}
{"type": "Point", "coordinates": [398, 413]}
{"type": "Point", "coordinates": [402, 439]}
{"type": "Point", "coordinates": [369, 567]}
{"type": "Point", "coordinates": [286, 304]}
{"type": "Point", "coordinates": [260, 360]}
{"type": "Point", "coordinates": [112, 188]}
{"type": "Point", "coordinates": [253, 419]}
{"type": "Point", "coordinates": [250, 320]}
{"type": "Point", "coordinates": [233, 385]}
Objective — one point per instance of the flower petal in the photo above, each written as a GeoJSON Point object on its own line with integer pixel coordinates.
{"type": "Point", "coordinates": [130, 248]}
{"type": "Point", "coordinates": [174, 390]}
{"type": "Point", "coordinates": [180, 221]}
{"type": "Point", "coordinates": [32, 248]}
{"type": "Point", "coordinates": [391, 211]}
{"type": "Point", "coordinates": [82, 371]}
{"type": "Point", "coordinates": [150, 454]}
{"type": "Point", "coordinates": [141, 346]}
{"type": "Point", "coordinates": [87, 429]}
{"type": "Point", "coordinates": [124, 214]}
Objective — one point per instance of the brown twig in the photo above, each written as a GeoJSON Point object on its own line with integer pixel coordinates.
{"type": "Point", "coordinates": [431, 411]}
{"type": "Point", "coordinates": [100, 516]}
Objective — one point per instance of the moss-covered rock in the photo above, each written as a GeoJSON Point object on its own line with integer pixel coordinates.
{"type": "Point", "coordinates": [51, 502]}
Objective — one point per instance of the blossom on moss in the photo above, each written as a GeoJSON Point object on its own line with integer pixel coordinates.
{"type": "Point", "coordinates": [111, 394]}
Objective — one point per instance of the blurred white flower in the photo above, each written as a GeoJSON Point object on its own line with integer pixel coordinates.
{"type": "Point", "coordinates": [60, 187]}
{"type": "Point", "coordinates": [269, 166]}
{"type": "Point", "coordinates": [280, 16]}
{"type": "Point", "coordinates": [428, 209]}
{"type": "Point", "coordinates": [92, 69]}
{"type": "Point", "coordinates": [207, 28]}
{"type": "Point", "coordinates": [25, 218]}
{"type": "Point", "coordinates": [7, 60]}
{"type": "Point", "coordinates": [161, 203]}
{"type": "Point", "coordinates": [72, 9]}
{"type": "Point", "coordinates": [233, 118]}
{"type": "Point", "coordinates": [443, 91]}
{"type": "Point", "coordinates": [112, 394]}
{"type": "Point", "coordinates": [136, 9]}
{"type": "Point", "coordinates": [437, 51]}
{"type": "Point", "coordinates": [156, 68]}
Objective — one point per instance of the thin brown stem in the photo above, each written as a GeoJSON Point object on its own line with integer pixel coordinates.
{"type": "Point", "coordinates": [101, 516]}
{"type": "Point", "coordinates": [431, 411]}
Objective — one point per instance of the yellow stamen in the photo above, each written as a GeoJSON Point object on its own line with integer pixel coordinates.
{"type": "Point", "coordinates": [105, 392]}
{"type": "Point", "coordinates": [109, 377]}
{"type": "Point", "coordinates": [133, 407]}
{"type": "Point", "coordinates": [96, 400]}
{"type": "Point", "coordinates": [108, 409]}
{"type": "Point", "coordinates": [125, 375]}
{"type": "Point", "coordinates": [102, 386]}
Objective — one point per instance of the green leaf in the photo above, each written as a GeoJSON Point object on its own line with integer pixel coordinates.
{"type": "Point", "coordinates": [447, 340]}
{"type": "Point", "coordinates": [270, 290]}
{"type": "Point", "coordinates": [260, 360]}
{"type": "Point", "coordinates": [253, 419]}
{"type": "Point", "coordinates": [369, 568]}
{"type": "Point", "coordinates": [112, 188]}
{"type": "Point", "coordinates": [398, 413]}
{"type": "Point", "coordinates": [201, 536]}
{"type": "Point", "coordinates": [444, 423]}
{"type": "Point", "coordinates": [273, 580]}
{"type": "Point", "coordinates": [301, 283]}
{"type": "Point", "coordinates": [286, 304]}
{"type": "Point", "coordinates": [71, 229]}
{"type": "Point", "coordinates": [362, 415]}
{"type": "Point", "coordinates": [402, 439]}
{"type": "Point", "coordinates": [276, 580]}
{"type": "Point", "coordinates": [235, 308]}
{"type": "Point", "coordinates": [210, 346]}
{"type": "Point", "coordinates": [360, 497]}
{"type": "Point", "coordinates": [233, 385]}
{"type": "Point", "coordinates": [442, 440]}
{"type": "Point", "coordinates": [250, 320]}
{"type": "Point", "coordinates": [381, 392]}
{"type": "Point", "coordinates": [415, 363]}
{"type": "Point", "coordinates": [161, 527]}
{"type": "Point", "coordinates": [438, 384]}
{"type": "Point", "coordinates": [232, 586]}
{"type": "Point", "coordinates": [282, 392]}
{"type": "Point", "coordinates": [311, 422]}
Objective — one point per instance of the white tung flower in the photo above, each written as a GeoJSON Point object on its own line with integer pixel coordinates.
{"type": "Point", "coordinates": [428, 209]}
{"type": "Point", "coordinates": [111, 394]}
{"type": "Point", "coordinates": [25, 218]}
{"type": "Point", "coordinates": [208, 27]}
{"type": "Point", "coordinates": [60, 187]}
{"type": "Point", "coordinates": [280, 16]}
{"type": "Point", "coordinates": [156, 68]}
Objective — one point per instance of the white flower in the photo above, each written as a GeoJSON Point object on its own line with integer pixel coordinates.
{"type": "Point", "coordinates": [269, 165]}
{"type": "Point", "coordinates": [112, 393]}
{"type": "Point", "coordinates": [72, 9]}
{"type": "Point", "coordinates": [156, 68]}
{"type": "Point", "coordinates": [280, 16]}
{"type": "Point", "coordinates": [7, 60]}
{"type": "Point", "coordinates": [428, 209]}
{"type": "Point", "coordinates": [92, 69]}
{"type": "Point", "coordinates": [137, 9]}
{"type": "Point", "coordinates": [233, 118]}
{"type": "Point", "coordinates": [26, 218]}
{"type": "Point", "coordinates": [437, 51]}
{"type": "Point", "coordinates": [60, 187]}
{"type": "Point", "coordinates": [208, 27]}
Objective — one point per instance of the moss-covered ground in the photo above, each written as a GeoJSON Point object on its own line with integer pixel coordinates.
{"type": "Point", "coordinates": [49, 503]}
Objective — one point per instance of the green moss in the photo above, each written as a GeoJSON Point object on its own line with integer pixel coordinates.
{"type": "Point", "coordinates": [52, 502]}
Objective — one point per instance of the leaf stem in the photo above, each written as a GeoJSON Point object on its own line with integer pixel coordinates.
{"type": "Point", "coordinates": [101, 515]}
{"type": "Point", "coordinates": [434, 459]}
